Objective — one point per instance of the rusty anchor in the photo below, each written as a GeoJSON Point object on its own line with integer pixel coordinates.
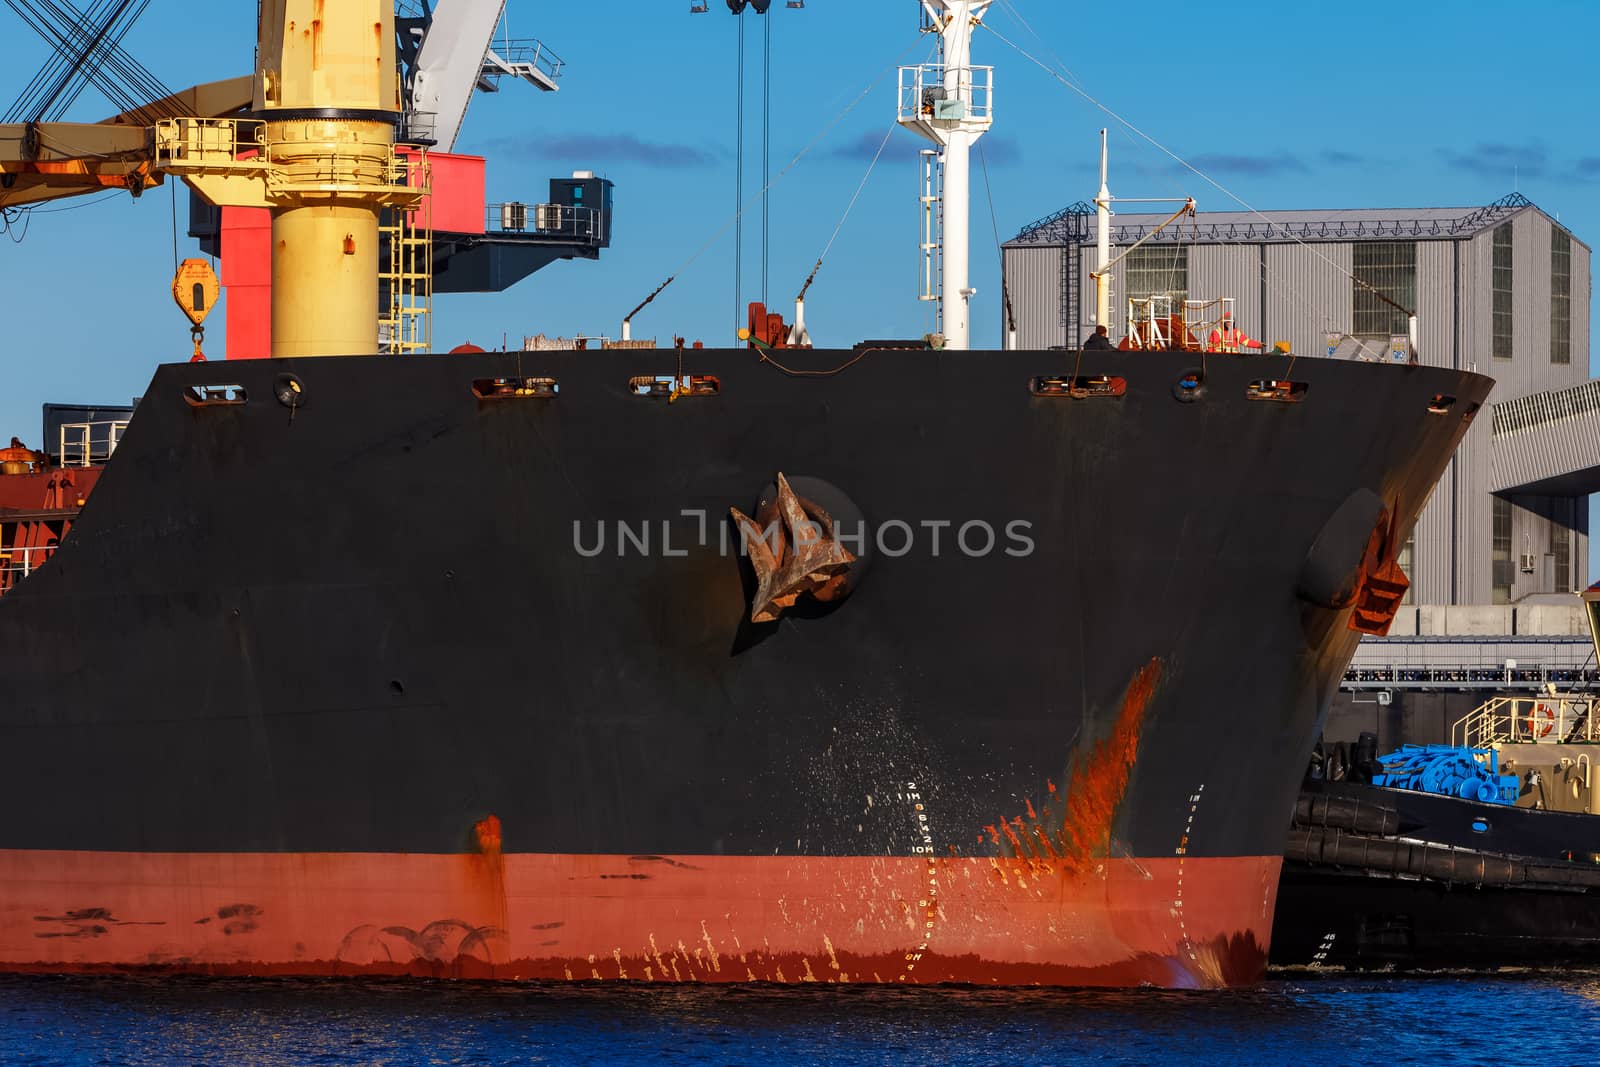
{"type": "Point", "coordinates": [793, 545]}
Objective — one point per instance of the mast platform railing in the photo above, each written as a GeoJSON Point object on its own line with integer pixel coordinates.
{"type": "Point", "coordinates": [239, 150]}
{"type": "Point", "coordinates": [553, 220]}
{"type": "Point", "coordinates": [926, 95]}
{"type": "Point", "coordinates": [524, 57]}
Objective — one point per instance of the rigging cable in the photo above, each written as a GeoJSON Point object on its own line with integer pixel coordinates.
{"type": "Point", "coordinates": [107, 51]}
{"type": "Point", "coordinates": [174, 187]}
{"type": "Point", "coordinates": [776, 178]}
{"type": "Point", "coordinates": [132, 90]}
{"type": "Point", "coordinates": [766, 152]}
{"type": "Point", "coordinates": [738, 188]}
{"type": "Point", "coordinates": [1071, 84]}
{"type": "Point", "coordinates": [54, 81]}
{"type": "Point", "coordinates": [848, 208]}
{"type": "Point", "coordinates": [994, 222]}
{"type": "Point", "coordinates": [9, 217]}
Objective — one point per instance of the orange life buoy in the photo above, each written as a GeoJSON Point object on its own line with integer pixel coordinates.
{"type": "Point", "coordinates": [1541, 720]}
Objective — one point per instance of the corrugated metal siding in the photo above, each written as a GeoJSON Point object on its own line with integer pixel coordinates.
{"type": "Point", "coordinates": [1433, 549]}
{"type": "Point", "coordinates": [1530, 252]}
{"type": "Point", "coordinates": [1437, 543]}
{"type": "Point", "coordinates": [1523, 540]}
{"type": "Point", "coordinates": [1473, 518]}
{"type": "Point", "coordinates": [1529, 369]}
{"type": "Point", "coordinates": [1033, 277]}
{"type": "Point", "coordinates": [1545, 435]}
{"type": "Point", "coordinates": [1088, 258]}
{"type": "Point", "coordinates": [1474, 514]}
{"type": "Point", "coordinates": [1306, 297]}
{"type": "Point", "coordinates": [1218, 271]}
{"type": "Point", "coordinates": [1308, 294]}
{"type": "Point", "coordinates": [1477, 279]}
{"type": "Point", "coordinates": [1533, 524]}
{"type": "Point", "coordinates": [1582, 300]}
{"type": "Point", "coordinates": [1436, 299]}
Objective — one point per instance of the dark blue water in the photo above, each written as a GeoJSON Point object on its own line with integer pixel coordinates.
{"type": "Point", "coordinates": [1497, 1021]}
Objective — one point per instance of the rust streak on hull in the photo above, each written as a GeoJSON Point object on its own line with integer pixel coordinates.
{"type": "Point", "coordinates": [1098, 781]}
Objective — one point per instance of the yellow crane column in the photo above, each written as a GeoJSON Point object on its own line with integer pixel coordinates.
{"type": "Point", "coordinates": [318, 151]}
{"type": "Point", "coordinates": [328, 94]}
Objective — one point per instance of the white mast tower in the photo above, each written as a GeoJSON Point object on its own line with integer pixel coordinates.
{"type": "Point", "coordinates": [949, 103]}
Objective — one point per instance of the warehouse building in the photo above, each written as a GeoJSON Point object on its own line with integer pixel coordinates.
{"type": "Point", "coordinates": [1501, 289]}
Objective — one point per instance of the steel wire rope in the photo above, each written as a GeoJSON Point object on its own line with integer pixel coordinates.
{"type": "Point", "coordinates": [999, 250]}
{"type": "Point", "coordinates": [766, 151]}
{"type": "Point", "coordinates": [31, 103]}
{"type": "Point", "coordinates": [860, 186]}
{"type": "Point", "coordinates": [92, 31]}
{"type": "Point", "coordinates": [766, 356]}
{"type": "Point", "coordinates": [28, 104]}
{"type": "Point", "coordinates": [23, 106]}
{"type": "Point", "coordinates": [83, 47]}
{"type": "Point", "coordinates": [1069, 80]}
{"type": "Point", "coordinates": [25, 210]}
{"type": "Point", "coordinates": [706, 245]}
{"type": "Point", "coordinates": [738, 183]}
{"type": "Point", "coordinates": [106, 52]}
{"type": "Point", "coordinates": [77, 28]}
{"type": "Point", "coordinates": [9, 217]}
{"type": "Point", "coordinates": [1177, 187]}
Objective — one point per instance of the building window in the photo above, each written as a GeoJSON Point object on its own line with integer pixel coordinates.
{"type": "Point", "coordinates": [1501, 553]}
{"type": "Point", "coordinates": [1390, 268]}
{"type": "Point", "coordinates": [1157, 270]}
{"type": "Point", "coordinates": [1502, 291]}
{"type": "Point", "coordinates": [1561, 549]}
{"type": "Point", "coordinates": [1560, 296]}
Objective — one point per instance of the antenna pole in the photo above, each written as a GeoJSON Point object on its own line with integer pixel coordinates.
{"type": "Point", "coordinates": [949, 103]}
{"type": "Point", "coordinates": [1102, 279]}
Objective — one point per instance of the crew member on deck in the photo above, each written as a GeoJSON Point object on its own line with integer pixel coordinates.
{"type": "Point", "coordinates": [1228, 337]}
{"type": "Point", "coordinates": [1098, 339]}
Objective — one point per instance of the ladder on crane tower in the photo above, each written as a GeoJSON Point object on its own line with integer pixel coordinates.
{"type": "Point", "coordinates": [932, 233]}
{"type": "Point", "coordinates": [405, 313]}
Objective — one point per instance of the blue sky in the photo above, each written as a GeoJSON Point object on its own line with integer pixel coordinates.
{"type": "Point", "coordinates": [1360, 104]}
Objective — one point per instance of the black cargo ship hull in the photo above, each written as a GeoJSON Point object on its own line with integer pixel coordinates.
{"type": "Point", "coordinates": [493, 657]}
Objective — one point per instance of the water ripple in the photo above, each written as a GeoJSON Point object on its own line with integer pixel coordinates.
{"type": "Point", "coordinates": [1460, 1019]}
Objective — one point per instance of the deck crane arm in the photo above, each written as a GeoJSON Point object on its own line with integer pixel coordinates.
{"type": "Point", "coordinates": [450, 53]}
{"type": "Point", "coordinates": [449, 61]}
{"type": "Point", "coordinates": [41, 161]}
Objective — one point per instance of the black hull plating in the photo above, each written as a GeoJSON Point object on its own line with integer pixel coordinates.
{"type": "Point", "coordinates": [365, 624]}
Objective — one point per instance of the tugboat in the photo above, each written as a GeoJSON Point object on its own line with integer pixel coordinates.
{"type": "Point", "coordinates": [898, 663]}
{"type": "Point", "coordinates": [1494, 869]}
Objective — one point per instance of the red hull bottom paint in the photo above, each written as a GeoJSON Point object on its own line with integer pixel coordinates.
{"type": "Point", "coordinates": [1182, 922]}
